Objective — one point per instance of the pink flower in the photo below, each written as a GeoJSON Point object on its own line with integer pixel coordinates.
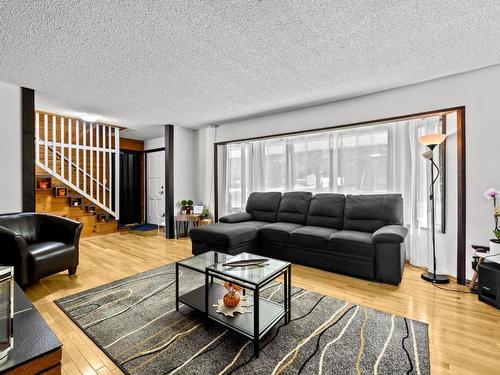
{"type": "Point", "coordinates": [491, 193]}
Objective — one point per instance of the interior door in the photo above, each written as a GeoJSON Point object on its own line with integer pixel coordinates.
{"type": "Point", "coordinates": [130, 187]}
{"type": "Point", "coordinates": [155, 178]}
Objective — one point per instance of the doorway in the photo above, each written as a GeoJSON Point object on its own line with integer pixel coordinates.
{"type": "Point", "coordinates": [155, 181]}
{"type": "Point", "coordinates": [130, 187]}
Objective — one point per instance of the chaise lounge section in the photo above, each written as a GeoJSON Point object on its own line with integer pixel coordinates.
{"type": "Point", "coordinates": [359, 235]}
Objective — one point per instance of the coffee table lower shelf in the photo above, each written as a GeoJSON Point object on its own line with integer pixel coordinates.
{"type": "Point", "coordinates": [269, 312]}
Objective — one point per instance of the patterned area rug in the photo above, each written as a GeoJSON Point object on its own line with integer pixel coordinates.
{"type": "Point", "coordinates": [134, 322]}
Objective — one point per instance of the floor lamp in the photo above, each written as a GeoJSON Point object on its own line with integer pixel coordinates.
{"type": "Point", "coordinates": [431, 141]}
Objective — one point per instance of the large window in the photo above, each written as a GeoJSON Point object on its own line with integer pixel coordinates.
{"type": "Point", "coordinates": [377, 158]}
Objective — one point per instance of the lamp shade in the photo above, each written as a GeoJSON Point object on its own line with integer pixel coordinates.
{"type": "Point", "coordinates": [432, 139]}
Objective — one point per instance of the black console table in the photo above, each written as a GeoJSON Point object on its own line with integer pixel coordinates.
{"type": "Point", "coordinates": [37, 350]}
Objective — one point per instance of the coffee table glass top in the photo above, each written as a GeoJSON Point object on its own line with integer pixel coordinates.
{"type": "Point", "coordinates": [202, 261]}
{"type": "Point", "coordinates": [252, 274]}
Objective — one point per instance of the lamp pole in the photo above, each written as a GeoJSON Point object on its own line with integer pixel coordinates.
{"type": "Point", "coordinates": [433, 209]}
{"type": "Point", "coordinates": [428, 276]}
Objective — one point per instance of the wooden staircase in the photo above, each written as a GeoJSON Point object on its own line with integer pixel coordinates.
{"type": "Point", "coordinates": [48, 202]}
{"type": "Point", "coordinates": [83, 158]}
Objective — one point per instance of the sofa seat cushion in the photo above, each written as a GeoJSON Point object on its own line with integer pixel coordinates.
{"type": "Point", "coordinates": [45, 257]}
{"type": "Point", "coordinates": [256, 223]}
{"type": "Point", "coordinates": [311, 237]}
{"type": "Point", "coordinates": [277, 232]}
{"type": "Point", "coordinates": [224, 235]}
{"type": "Point", "coordinates": [353, 243]}
{"type": "Point", "coordinates": [239, 217]}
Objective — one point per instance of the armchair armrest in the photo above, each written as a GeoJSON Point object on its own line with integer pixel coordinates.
{"type": "Point", "coordinates": [14, 252]}
{"type": "Point", "coordinates": [236, 218]}
{"type": "Point", "coordinates": [61, 229]}
{"type": "Point", "coordinates": [391, 234]}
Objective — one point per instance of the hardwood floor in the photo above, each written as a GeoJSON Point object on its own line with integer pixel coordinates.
{"type": "Point", "coordinates": [464, 333]}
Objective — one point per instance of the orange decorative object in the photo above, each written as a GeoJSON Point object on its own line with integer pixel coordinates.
{"type": "Point", "coordinates": [61, 192]}
{"type": "Point", "coordinates": [232, 287]}
{"type": "Point", "coordinates": [44, 184]}
{"type": "Point", "coordinates": [231, 299]}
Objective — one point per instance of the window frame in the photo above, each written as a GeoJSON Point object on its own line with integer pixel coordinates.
{"type": "Point", "coordinates": [461, 167]}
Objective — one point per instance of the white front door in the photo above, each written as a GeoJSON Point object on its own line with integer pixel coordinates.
{"type": "Point", "coordinates": [155, 177]}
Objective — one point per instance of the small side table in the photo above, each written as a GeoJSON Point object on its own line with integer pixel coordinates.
{"type": "Point", "coordinates": [473, 280]}
{"type": "Point", "coordinates": [205, 221]}
{"type": "Point", "coordinates": [480, 253]}
{"type": "Point", "coordinates": [184, 220]}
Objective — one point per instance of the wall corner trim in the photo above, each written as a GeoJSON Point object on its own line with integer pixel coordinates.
{"type": "Point", "coordinates": [169, 182]}
{"type": "Point", "coordinates": [28, 148]}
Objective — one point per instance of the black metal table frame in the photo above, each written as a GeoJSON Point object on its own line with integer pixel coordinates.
{"type": "Point", "coordinates": [210, 274]}
{"type": "Point", "coordinates": [177, 265]}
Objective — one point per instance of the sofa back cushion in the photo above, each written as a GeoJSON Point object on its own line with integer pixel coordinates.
{"type": "Point", "coordinates": [26, 224]}
{"type": "Point", "coordinates": [367, 213]}
{"type": "Point", "coordinates": [294, 206]}
{"type": "Point", "coordinates": [264, 206]}
{"type": "Point", "coordinates": [326, 210]}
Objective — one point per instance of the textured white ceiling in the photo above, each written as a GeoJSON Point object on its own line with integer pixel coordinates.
{"type": "Point", "coordinates": [190, 63]}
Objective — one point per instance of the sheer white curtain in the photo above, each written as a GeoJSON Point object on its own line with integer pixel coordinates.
{"type": "Point", "coordinates": [410, 176]}
{"type": "Point", "coordinates": [381, 158]}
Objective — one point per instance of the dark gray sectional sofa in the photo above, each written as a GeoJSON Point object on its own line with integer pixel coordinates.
{"type": "Point", "coordinates": [359, 235]}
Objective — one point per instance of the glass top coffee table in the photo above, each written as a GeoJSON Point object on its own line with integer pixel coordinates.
{"type": "Point", "coordinates": [265, 314]}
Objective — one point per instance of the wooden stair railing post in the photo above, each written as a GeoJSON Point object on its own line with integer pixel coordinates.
{"type": "Point", "coordinates": [117, 172]}
{"type": "Point", "coordinates": [77, 152]}
{"type": "Point", "coordinates": [70, 151]}
{"type": "Point", "coordinates": [85, 156]}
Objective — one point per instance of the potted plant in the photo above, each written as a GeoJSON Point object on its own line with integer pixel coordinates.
{"type": "Point", "coordinates": [189, 206]}
{"type": "Point", "coordinates": [492, 194]}
{"type": "Point", "coordinates": [205, 213]}
{"type": "Point", "coordinates": [183, 207]}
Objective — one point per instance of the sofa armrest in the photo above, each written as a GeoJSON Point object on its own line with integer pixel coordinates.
{"type": "Point", "coordinates": [390, 234]}
{"type": "Point", "coordinates": [61, 229]}
{"type": "Point", "coordinates": [14, 252]}
{"type": "Point", "coordinates": [236, 218]}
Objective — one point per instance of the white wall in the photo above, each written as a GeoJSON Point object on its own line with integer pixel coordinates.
{"type": "Point", "coordinates": [11, 199]}
{"type": "Point", "coordinates": [478, 91]}
{"type": "Point", "coordinates": [185, 154]}
{"type": "Point", "coordinates": [184, 165]}
{"type": "Point", "coordinates": [151, 144]}
{"type": "Point", "coordinates": [204, 168]}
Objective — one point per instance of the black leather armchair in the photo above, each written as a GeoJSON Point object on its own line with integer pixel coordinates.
{"type": "Point", "coordinates": [38, 245]}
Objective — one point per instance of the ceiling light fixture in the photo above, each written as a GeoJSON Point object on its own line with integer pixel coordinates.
{"type": "Point", "coordinates": [87, 117]}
